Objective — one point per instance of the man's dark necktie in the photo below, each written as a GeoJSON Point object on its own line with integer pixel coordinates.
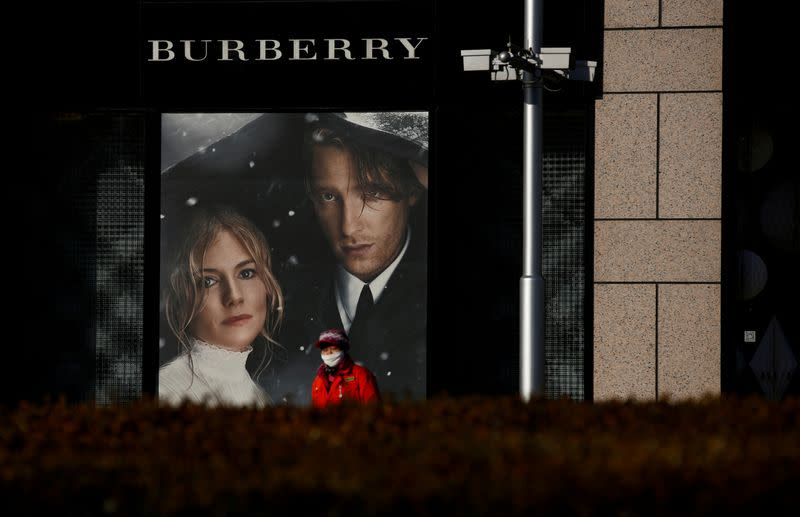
{"type": "Point", "coordinates": [359, 326]}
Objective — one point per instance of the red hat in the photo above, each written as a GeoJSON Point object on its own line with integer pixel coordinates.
{"type": "Point", "coordinates": [333, 337]}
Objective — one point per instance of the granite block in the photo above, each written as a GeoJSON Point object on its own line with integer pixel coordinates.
{"type": "Point", "coordinates": [688, 340]}
{"type": "Point", "coordinates": [662, 60]}
{"type": "Point", "coordinates": [690, 155]}
{"type": "Point", "coordinates": [657, 251]}
{"type": "Point", "coordinates": [625, 156]}
{"type": "Point", "coordinates": [624, 341]}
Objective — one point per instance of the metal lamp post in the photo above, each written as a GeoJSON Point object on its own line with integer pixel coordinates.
{"type": "Point", "coordinates": [530, 64]}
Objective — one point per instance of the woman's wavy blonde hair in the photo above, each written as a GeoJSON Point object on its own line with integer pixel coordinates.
{"type": "Point", "coordinates": [184, 295]}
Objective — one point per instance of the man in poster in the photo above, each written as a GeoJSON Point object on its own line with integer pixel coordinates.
{"type": "Point", "coordinates": [367, 180]}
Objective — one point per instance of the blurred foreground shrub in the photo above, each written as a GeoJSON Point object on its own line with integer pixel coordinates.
{"type": "Point", "coordinates": [463, 456]}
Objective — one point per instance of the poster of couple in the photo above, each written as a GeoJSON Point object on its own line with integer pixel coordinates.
{"type": "Point", "coordinates": [293, 257]}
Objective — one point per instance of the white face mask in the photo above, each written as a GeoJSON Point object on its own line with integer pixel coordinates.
{"type": "Point", "coordinates": [332, 359]}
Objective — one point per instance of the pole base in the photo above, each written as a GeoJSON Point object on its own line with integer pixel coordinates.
{"type": "Point", "coordinates": [531, 337]}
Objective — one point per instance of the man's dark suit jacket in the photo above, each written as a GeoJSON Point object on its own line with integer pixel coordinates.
{"type": "Point", "coordinates": [393, 344]}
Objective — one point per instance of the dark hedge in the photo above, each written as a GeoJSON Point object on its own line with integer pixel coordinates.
{"type": "Point", "coordinates": [464, 456]}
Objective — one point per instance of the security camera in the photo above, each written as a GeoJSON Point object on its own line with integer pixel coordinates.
{"type": "Point", "coordinates": [509, 64]}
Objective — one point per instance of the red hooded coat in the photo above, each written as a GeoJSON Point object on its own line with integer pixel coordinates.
{"type": "Point", "coordinates": [350, 382]}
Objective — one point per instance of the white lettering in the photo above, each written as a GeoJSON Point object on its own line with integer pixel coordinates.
{"type": "Point", "coordinates": [227, 49]}
{"type": "Point", "coordinates": [263, 48]}
{"type": "Point", "coordinates": [302, 49]}
{"type": "Point", "coordinates": [157, 50]}
{"type": "Point", "coordinates": [411, 50]}
{"type": "Point", "coordinates": [332, 48]}
{"type": "Point", "coordinates": [296, 49]}
{"type": "Point", "coordinates": [371, 47]}
{"type": "Point", "coordinates": [187, 49]}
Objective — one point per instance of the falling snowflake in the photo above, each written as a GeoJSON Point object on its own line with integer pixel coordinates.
{"type": "Point", "coordinates": [302, 348]}
{"type": "Point", "coordinates": [191, 201]}
{"type": "Point", "coordinates": [213, 149]}
{"type": "Point", "coordinates": [252, 164]}
{"type": "Point", "coordinates": [388, 374]}
{"type": "Point", "coordinates": [275, 223]}
{"type": "Point", "coordinates": [162, 342]}
{"type": "Point", "coordinates": [162, 216]}
{"type": "Point", "coordinates": [293, 260]}
{"type": "Point", "coordinates": [291, 213]}
{"type": "Point", "coordinates": [384, 356]}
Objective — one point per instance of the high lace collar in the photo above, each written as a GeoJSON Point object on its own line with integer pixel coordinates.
{"type": "Point", "coordinates": [217, 362]}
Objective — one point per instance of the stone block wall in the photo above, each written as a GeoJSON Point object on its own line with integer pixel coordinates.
{"type": "Point", "coordinates": [657, 222]}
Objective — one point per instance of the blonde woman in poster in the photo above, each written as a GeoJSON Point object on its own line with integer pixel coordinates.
{"type": "Point", "coordinates": [222, 298]}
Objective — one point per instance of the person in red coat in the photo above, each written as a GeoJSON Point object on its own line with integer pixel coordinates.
{"type": "Point", "coordinates": [338, 377]}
